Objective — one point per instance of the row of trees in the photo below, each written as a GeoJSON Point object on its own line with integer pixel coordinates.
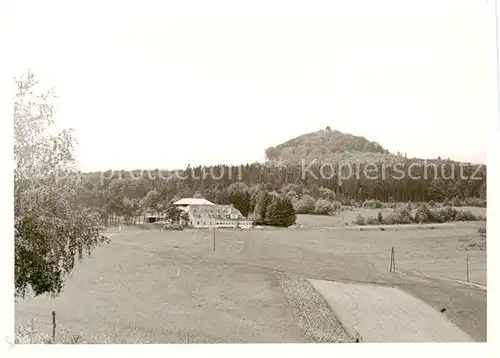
{"type": "Point", "coordinates": [422, 185]}
{"type": "Point", "coordinates": [424, 213]}
{"type": "Point", "coordinates": [135, 193]}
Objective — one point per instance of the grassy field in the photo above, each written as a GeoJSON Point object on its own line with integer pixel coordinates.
{"type": "Point", "coordinates": [160, 287]}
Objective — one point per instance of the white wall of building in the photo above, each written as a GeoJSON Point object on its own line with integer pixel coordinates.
{"type": "Point", "coordinates": [201, 223]}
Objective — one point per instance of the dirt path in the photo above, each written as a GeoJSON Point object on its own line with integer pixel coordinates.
{"type": "Point", "coordinates": [387, 314]}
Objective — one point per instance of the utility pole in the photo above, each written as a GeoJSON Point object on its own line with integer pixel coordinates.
{"type": "Point", "coordinates": [393, 261]}
{"type": "Point", "coordinates": [53, 326]}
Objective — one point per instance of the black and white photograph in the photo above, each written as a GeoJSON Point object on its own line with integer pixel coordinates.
{"type": "Point", "coordinates": [221, 172]}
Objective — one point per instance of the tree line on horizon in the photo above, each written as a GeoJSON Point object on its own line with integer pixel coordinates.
{"type": "Point", "coordinates": [125, 193]}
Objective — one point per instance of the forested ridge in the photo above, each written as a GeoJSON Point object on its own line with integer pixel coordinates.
{"type": "Point", "coordinates": [129, 193]}
{"type": "Point", "coordinates": [369, 177]}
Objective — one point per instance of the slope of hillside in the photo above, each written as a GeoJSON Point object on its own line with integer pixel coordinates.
{"type": "Point", "coordinates": [329, 146]}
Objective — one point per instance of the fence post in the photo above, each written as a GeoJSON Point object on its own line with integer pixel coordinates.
{"type": "Point", "coordinates": [390, 267]}
{"type": "Point", "coordinates": [32, 330]}
{"type": "Point", "coordinates": [214, 241]}
{"type": "Point", "coordinates": [53, 326]}
{"type": "Point", "coordinates": [467, 268]}
{"type": "Point", "coordinates": [393, 261]}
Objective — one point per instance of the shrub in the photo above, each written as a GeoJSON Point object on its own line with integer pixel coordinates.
{"type": "Point", "coordinates": [294, 200]}
{"type": "Point", "coordinates": [360, 220]}
{"type": "Point", "coordinates": [327, 194]}
{"type": "Point", "coordinates": [347, 202]}
{"type": "Point", "coordinates": [280, 212]}
{"type": "Point", "coordinates": [172, 227]}
{"type": "Point", "coordinates": [337, 205]}
{"type": "Point", "coordinates": [476, 202]}
{"type": "Point", "coordinates": [456, 202]}
{"type": "Point", "coordinates": [436, 216]}
{"type": "Point", "coordinates": [380, 217]}
{"type": "Point", "coordinates": [323, 207]}
{"type": "Point", "coordinates": [292, 195]}
{"type": "Point", "coordinates": [432, 203]}
{"type": "Point", "coordinates": [372, 204]}
{"type": "Point", "coordinates": [402, 216]}
{"type": "Point", "coordinates": [389, 219]}
{"type": "Point", "coordinates": [465, 216]}
{"type": "Point", "coordinates": [449, 214]}
{"type": "Point", "coordinates": [443, 215]}
{"type": "Point", "coordinates": [259, 211]}
{"type": "Point", "coordinates": [481, 230]}
{"type": "Point", "coordinates": [372, 220]}
{"type": "Point", "coordinates": [305, 205]}
{"type": "Point", "coordinates": [421, 215]}
{"type": "Point", "coordinates": [256, 218]}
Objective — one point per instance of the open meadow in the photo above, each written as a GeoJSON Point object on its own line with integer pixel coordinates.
{"type": "Point", "coordinates": [170, 287]}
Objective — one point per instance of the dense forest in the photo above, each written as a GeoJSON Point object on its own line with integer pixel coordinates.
{"type": "Point", "coordinates": [128, 193]}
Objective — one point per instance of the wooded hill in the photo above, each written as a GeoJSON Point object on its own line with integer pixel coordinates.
{"type": "Point", "coordinates": [329, 146]}
{"type": "Point", "coordinates": [239, 184]}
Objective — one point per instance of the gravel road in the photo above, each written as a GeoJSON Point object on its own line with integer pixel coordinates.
{"type": "Point", "coordinates": [387, 314]}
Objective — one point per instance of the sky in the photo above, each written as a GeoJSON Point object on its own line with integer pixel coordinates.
{"type": "Point", "coordinates": [164, 84]}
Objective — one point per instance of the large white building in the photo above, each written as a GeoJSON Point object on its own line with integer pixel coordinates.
{"type": "Point", "coordinates": [205, 214]}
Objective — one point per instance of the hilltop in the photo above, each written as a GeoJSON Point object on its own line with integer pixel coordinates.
{"type": "Point", "coordinates": [330, 146]}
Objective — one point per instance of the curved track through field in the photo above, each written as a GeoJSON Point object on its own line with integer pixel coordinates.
{"type": "Point", "coordinates": [387, 314]}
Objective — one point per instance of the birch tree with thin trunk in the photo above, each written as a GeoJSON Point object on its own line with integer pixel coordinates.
{"type": "Point", "coordinates": [53, 228]}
